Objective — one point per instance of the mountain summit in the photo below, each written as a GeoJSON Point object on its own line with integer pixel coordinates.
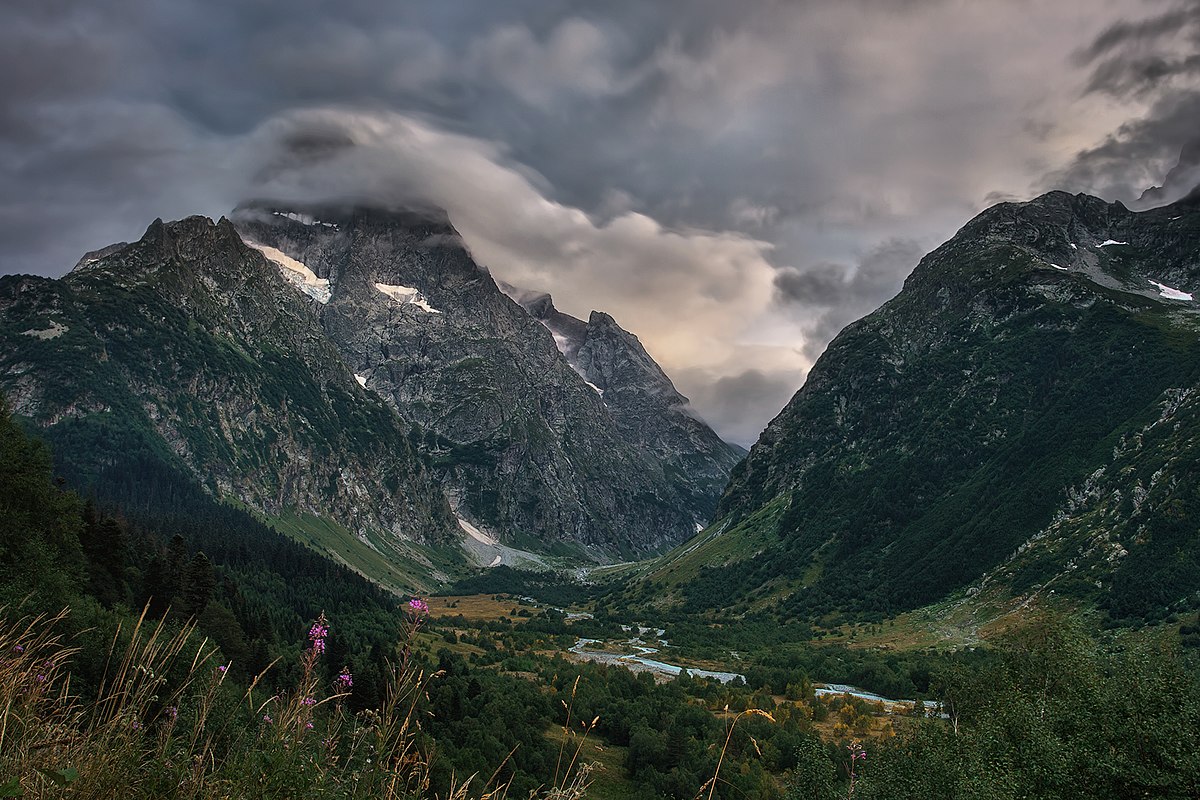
{"type": "Point", "coordinates": [352, 375]}
{"type": "Point", "coordinates": [530, 446]}
{"type": "Point", "coordinates": [1024, 416]}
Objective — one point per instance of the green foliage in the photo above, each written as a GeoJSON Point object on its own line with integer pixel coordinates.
{"type": "Point", "coordinates": [1059, 715]}
{"type": "Point", "coordinates": [40, 553]}
{"type": "Point", "coordinates": [909, 472]}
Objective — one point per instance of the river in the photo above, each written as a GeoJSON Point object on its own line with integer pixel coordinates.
{"type": "Point", "coordinates": [642, 663]}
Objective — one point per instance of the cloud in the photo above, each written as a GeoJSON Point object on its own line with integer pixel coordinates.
{"type": "Point", "coordinates": [716, 175]}
{"type": "Point", "coordinates": [697, 298]}
{"type": "Point", "coordinates": [835, 294]}
{"type": "Point", "coordinates": [574, 59]}
{"type": "Point", "coordinates": [740, 404]}
{"type": "Point", "coordinates": [1156, 62]}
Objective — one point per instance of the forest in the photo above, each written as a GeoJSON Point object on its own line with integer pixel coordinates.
{"type": "Point", "coordinates": [157, 643]}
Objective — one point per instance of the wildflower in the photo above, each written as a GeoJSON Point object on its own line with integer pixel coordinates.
{"type": "Point", "coordinates": [344, 681]}
{"type": "Point", "coordinates": [172, 712]}
{"type": "Point", "coordinates": [318, 633]}
{"type": "Point", "coordinates": [309, 701]}
{"type": "Point", "coordinates": [267, 718]}
{"type": "Point", "coordinates": [418, 607]}
{"type": "Point", "coordinates": [137, 726]}
{"type": "Point", "coordinates": [41, 678]}
{"type": "Point", "coordinates": [222, 668]}
{"type": "Point", "coordinates": [308, 726]}
{"type": "Point", "coordinates": [18, 648]}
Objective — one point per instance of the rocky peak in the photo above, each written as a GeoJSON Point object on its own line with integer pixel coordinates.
{"type": "Point", "coordinates": [939, 433]}
{"type": "Point", "coordinates": [524, 444]}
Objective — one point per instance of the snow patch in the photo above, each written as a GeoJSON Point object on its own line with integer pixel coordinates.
{"type": "Point", "coordinates": [699, 527]}
{"type": "Point", "coordinates": [1074, 246]}
{"type": "Point", "coordinates": [297, 273]}
{"type": "Point", "coordinates": [475, 533]}
{"type": "Point", "coordinates": [1169, 293]}
{"type": "Point", "coordinates": [1056, 266]}
{"type": "Point", "coordinates": [1108, 242]}
{"type": "Point", "coordinates": [55, 330]}
{"type": "Point", "coordinates": [598, 390]}
{"type": "Point", "coordinates": [361, 380]}
{"type": "Point", "coordinates": [560, 341]}
{"type": "Point", "coordinates": [406, 295]}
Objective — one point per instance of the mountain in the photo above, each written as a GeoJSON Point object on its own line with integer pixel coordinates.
{"type": "Point", "coordinates": [1023, 417]}
{"type": "Point", "coordinates": [643, 401]}
{"type": "Point", "coordinates": [187, 349]}
{"type": "Point", "coordinates": [356, 380]}
{"type": "Point", "coordinates": [1183, 179]}
{"type": "Point", "coordinates": [532, 450]}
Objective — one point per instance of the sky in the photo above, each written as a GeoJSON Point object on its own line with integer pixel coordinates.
{"type": "Point", "coordinates": [733, 182]}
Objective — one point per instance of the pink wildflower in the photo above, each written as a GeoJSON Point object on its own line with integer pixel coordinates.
{"type": "Point", "coordinates": [318, 633]}
{"type": "Point", "coordinates": [18, 648]}
{"type": "Point", "coordinates": [309, 701]}
{"type": "Point", "coordinates": [308, 726]}
{"type": "Point", "coordinates": [344, 681]}
{"type": "Point", "coordinates": [222, 668]}
{"type": "Point", "coordinates": [267, 718]}
{"type": "Point", "coordinates": [418, 607]}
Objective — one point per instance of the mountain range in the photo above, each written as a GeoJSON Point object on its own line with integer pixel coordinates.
{"type": "Point", "coordinates": [353, 376]}
{"type": "Point", "coordinates": [1022, 419]}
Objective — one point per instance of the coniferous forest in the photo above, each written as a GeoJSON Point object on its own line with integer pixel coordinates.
{"type": "Point", "coordinates": [157, 643]}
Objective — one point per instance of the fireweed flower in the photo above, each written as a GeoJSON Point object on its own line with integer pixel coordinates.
{"type": "Point", "coordinates": [317, 634]}
{"type": "Point", "coordinates": [267, 718]}
{"type": "Point", "coordinates": [308, 726]}
{"type": "Point", "coordinates": [344, 681]}
{"type": "Point", "coordinates": [222, 668]}
{"type": "Point", "coordinates": [418, 607]}
{"type": "Point", "coordinates": [18, 648]}
{"type": "Point", "coordinates": [309, 701]}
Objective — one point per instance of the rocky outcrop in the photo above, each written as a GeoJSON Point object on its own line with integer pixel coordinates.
{"type": "Point", "coordinates": [644, 402]}
{"type": "Point", "coordinates": [189, 348]}
{"type": "Point", "coordinates": [941, 434]}
{"type": "Point", "coordinates": [529, 447]}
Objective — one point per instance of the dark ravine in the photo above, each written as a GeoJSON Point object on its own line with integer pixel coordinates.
{"type": "Point", "coordinates": [526, 448]}
{"type": "Point", "coordinates": [1023, 415]}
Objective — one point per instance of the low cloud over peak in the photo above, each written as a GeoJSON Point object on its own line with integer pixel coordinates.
{"type": "Point", "coordinates": [732, 182]}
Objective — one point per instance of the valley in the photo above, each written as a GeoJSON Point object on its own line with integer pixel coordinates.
{"type": "Point", "coordinates": [972, 531]}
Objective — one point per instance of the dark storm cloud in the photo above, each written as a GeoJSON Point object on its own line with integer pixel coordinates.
{"type": "Point", "coordinates": [712, 173]}
{"type": "Point", "coordinates": [1126, 33]}
{"type": "Point", "coordinates": [742, 403]}
{"type": "Point", "coordinates": [1155, 60]}
{"type": "Point", "coordinates": [835, 294]}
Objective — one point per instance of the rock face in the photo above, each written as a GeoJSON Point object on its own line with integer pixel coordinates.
{"type": "Point", "coordinates": [1023, 414]}
{"type": "Point", "coordinates": [527, 449]}
{"type": "Point", "coordinates": [643, 401]}
{"type": "Point", "coordinates": [189, 348]}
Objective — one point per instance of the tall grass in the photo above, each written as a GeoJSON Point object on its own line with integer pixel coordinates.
{"type": "Point", "coordinates": [165, 723]}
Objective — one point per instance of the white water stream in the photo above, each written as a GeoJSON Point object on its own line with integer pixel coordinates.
{"type": "Point", "coordinates": [640, 663]}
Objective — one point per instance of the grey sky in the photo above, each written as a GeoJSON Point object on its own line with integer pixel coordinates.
{"type": "Point", "coordinates": [734, 182]}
